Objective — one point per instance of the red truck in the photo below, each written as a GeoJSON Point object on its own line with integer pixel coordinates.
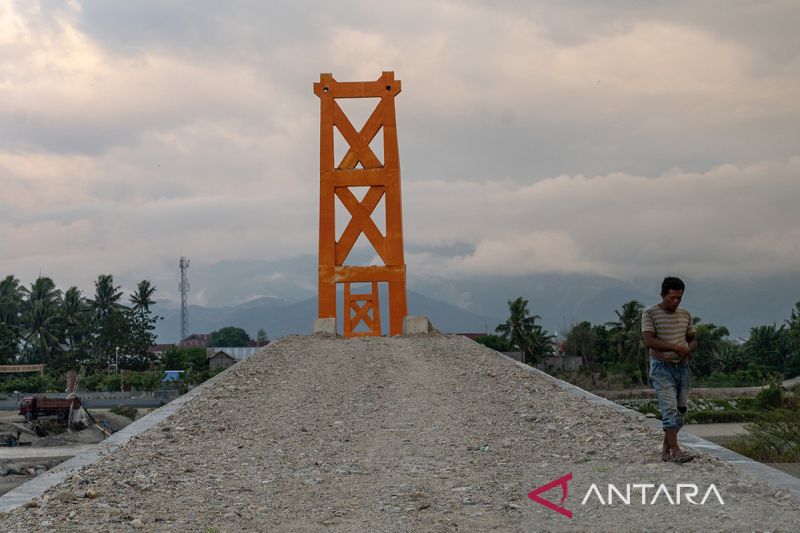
{"type": "Point", "coordinates": [32, 407]}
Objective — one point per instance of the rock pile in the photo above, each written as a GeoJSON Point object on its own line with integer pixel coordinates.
{"type": "Point", "coordinates": [431, 433]}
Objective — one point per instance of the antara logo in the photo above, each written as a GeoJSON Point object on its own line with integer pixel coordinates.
{"type": "Point", "coordinates": [688, 492]}
{"type": "Point", "coordinates": [562, 482]}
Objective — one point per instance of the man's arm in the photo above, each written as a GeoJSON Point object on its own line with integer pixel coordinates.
{"type": "Point", "coordinates": [691, 341]}
{"type": "Point", "coordinates": [659, 345]}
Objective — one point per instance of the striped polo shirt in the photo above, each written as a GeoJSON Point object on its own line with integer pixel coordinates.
{"type": "Point", "coordinates": [669, 327]}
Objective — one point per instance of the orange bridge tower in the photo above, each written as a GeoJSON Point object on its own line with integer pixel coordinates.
{"type": "Point", "coordinates": [360, 167]}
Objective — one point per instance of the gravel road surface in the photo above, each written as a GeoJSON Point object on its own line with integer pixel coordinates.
{"type": "Point", "coordinates": [431, 433]}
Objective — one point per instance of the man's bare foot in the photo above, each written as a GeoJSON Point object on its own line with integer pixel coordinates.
{"type": "Point", "coordinates": [681, 457]}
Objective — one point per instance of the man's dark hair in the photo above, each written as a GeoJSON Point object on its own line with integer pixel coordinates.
{"type": "Point", "coordinates": [671, 284]}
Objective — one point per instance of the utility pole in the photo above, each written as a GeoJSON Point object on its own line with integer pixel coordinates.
{"type": "Point", "coordinates": [184, 288]}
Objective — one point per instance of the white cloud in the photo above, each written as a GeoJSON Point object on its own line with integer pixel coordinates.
{"type": "Point", "coordinates": [121, 156]}
{"type": "Point", "coordinates": [728, 222]}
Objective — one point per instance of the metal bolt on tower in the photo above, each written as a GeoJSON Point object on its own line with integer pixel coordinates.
{"type": "Point", "coordinates": [184, 288]}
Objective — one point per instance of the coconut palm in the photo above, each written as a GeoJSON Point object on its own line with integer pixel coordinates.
{"type": "Point", "coordinates": [627, 337]}
{"type": "Point", "coordinates": [769, 345]}
{"type": "Point", "coordinates": [106, 297]}
{"type": "Point", "coordinates": [40, 318]}
{"type": "Point", "coordinates": [710, 345]}
{"type": "Point", "coordinates": [142, 324]}
{"type": "Point", "coordinates": [142, 298]}
{"type": "Point", "coordinates": [522, 331]}
{"type": "Point", "coordinates": [75, 315]}
{"type": "Point", "coordinates": [110, 323]}
{"type": "Point", "coordinates": [11, 301]}
{"type": "Point", "coordinates": [11, 298]}
{"type": "Point", "coordinates": [43, 329]}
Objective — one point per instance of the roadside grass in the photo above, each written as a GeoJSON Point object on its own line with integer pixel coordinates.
{"type": "Point", "coordinates": [772, 417]}
{"type": "Point", "coordinates": [774, 438]}
{"type": "Point", "coordinates": [125, 410]}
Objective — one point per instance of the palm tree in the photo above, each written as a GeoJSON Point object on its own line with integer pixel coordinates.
{"type": "Point", "coordinates": [11, 301]}
{"type": "Point", "coordinates": [769, 345]}
{"type": "Point", "coordinates": [110, 326]}
{"type": "Point", "coordinates": [43, 328]}
{"type": "Point", "coordinates": [75, 314]}
{"type": "Point", "coordinates": [710, 346]}
{"type": "Point", "coordinates": [142, 324]}
{"type": "Point", "coordinates": [582, 341]}
{"type": "Point", "coordinates": [522, 331]}
{"type": "Point", "coordinates": [106, 297]}
{"type": "Point", "coordinates": [40, 317]}
{"type": "Point", "coordinates": [11, 298]}
{"type": "Point", "coordinates": [142, 298]}
{"type": "Point", "coordinates": [626, 334]}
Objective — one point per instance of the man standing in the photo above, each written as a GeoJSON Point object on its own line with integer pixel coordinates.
{"type": "Point", "coordinates": [669, 334]}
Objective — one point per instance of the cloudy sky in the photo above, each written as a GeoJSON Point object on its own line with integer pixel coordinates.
{"type": "Point", "coordinates": [620, 138]}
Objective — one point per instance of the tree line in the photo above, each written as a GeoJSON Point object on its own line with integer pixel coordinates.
{"type": "Point", "coordinates": [771, 351]}
{"type": "Point", "coordinates": [66, 330]}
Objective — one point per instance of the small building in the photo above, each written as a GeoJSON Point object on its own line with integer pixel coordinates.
{"type": "Point", "coordinates": [173, 375]}
{"type": "Point", "coordinates": [238, 353]}
{"type": "Point", "coordinates": [158, 350]}
{"type": "Point", "coordinates": [219, 359]}
{"type": "Point", "coordinates": [195, 340]}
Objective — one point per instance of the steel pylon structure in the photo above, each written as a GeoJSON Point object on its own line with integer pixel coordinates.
{"type": "Point", "coordinates": [360, 167]}
{"type": "Point", "coordinates": [184, 288]}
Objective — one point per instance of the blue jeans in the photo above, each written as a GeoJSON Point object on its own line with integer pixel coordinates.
{"type": "Point", "coordinates": [672, 383]}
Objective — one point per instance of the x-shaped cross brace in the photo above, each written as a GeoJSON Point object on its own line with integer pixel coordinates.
{"type": "Point", "coordinates": [361, 221]}
{"type": "Point", "coordinates": [361, 305]}
{"type": "Point", "coordinates": [359, 141]}
{"type": "Point", "coordinates": [361, 312]}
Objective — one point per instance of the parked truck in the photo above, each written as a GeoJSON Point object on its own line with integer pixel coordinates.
{"type": "Point", "coordinates": [32, 407]}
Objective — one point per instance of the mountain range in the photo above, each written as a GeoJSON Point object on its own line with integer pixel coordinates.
{"type": "Point", "coordinates": [279, 317]}
{"type": "Point", "coordinates": [280, 297]}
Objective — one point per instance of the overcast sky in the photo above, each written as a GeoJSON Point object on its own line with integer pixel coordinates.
{"type": "Point", "coordinates": [621, 138]}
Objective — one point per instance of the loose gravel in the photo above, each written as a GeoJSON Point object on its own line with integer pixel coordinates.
{"type": "Point", "coordinates": [432, 433]}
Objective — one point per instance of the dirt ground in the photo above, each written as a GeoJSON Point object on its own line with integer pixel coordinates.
{"type": "Point", "coordinates": [11, 422]}
{"type": "Point", "coordinates": [403, 434]}
{"type": "Point", "coordinates": [21, 463]}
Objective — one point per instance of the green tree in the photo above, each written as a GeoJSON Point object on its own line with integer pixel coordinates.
{"type": "Point", "coordinates": [110, 325]}
{"type": "Point", "coordinates": [75, 314]}
{"type": "Point", "coordinates": [495, 342]}
{"type": "Point", "coordinates": [793, 324]}
{"type": "Point", "coordinates": [40, 319]}
{"type": "Point", "coordinates": [582, 341]}
{"type": "Point", "coordinates": [605, 351]}
{"type": "Point", "coordinates": [770, 346]}
{"type": "Point", "coordinates": [261, 337]}
{"type": "Point", "coordinates": [11, 302]}
{"type": "Point", "coordinates": [178, 358]}
{"type": "Point", "coordinates": [142, 298]}
{"type": "Point", "coordinates": [793, 329]}
{"type": "Point", "coordinates": [106, 297]}
{"type": "Point", "coordinates": [142, 326]}
{"type": "Point", "coordinates": [626, 336]}
{"type": "Point", "coordinates": [522, 332]}
{"type": "Point", "coordinates": [731, 357]}
{"type": "Point", "coordinates": [229, 337]}
{"type": "Point", "coordinates": [710, 344]}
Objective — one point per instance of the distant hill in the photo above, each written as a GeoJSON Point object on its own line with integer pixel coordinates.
{"type": "Point", "coordinates": [476, 303]}
{"type": "Point", "coordinates": [279, 317]}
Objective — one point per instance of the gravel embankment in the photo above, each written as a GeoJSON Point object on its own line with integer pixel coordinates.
{"type": "Point", "coordinates": [404, 434]}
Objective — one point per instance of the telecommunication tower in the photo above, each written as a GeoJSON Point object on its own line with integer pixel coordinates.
{"type": "Point", "coordinates": [184, 288]}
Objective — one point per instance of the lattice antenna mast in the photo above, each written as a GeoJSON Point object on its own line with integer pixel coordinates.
{"type": "Point", "coordinates": [184, 288]}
